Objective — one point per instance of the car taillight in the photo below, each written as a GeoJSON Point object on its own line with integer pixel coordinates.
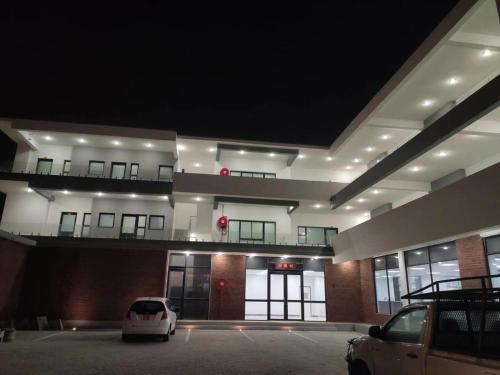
{"type": "Point", "coordinates": [164, 315]}
{"type": "Point", "coordinates": [128, 315]}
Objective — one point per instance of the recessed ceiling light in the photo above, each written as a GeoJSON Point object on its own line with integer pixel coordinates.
{"type": "Point", "coordinates": [65, 192]}
{"type": "Point", "coordinates": [165, 197]}
{"type": "Point", "coordinates": [445, 247]}
{"type": "Point", "coordinates": [348, 207]}
{"type": "Point", "coordinates": [242, 152]}
{"type": "Point", "coordinates": [133, 195]}
{"type": "Point", "coordinates": [148, 145]}
{"type": "Point", "coordinates": [486, 52]}
{"type": "Point", "coordinates": [220, 253]}
{"type": "Point", "coordinates": [284, 257]}
{"type": "Point", "coordinates": [251, 255]}
{"type": "Point", "coordinates": [197, 199]}
{"type": "Point", "coordinates": [197, 165]}
{"type": "Point", "coordinates": [415, 169]}
{"type": "Point", "coordinates": [29, 190]}
{"type": "Point", "coordinates": [291, 207]}
{"type": "Point", "coordinates": [116, 143]}
{"type": "Point", "coordinates": [369, 149]}
{"type": "Point", "coordinates": [356, 160]}
{"type": "Point", "coordinates": [442, 154]}
{"type": "Point", "coordinates": [212, 149]}
{"type": "Point", "coordinates": [427, 103]}
{"type": "Point", "coordinates": [376, 191]}
{"type": "Point", "coordinates": [301, 156]}
{"type": "Point", "coordinates": [272, 154]}
{"type": "Point", "coordinates": [315, 258]}
{"type": "Point", "coordinates": [188, 253]}
{"type": "Point", "coordinates": [181, 147]}
{"type": "Point", "coordinates": [82, 140]}
{"type": "Point", "coordinates": [348, 167]}
{"type": "Point", "coordinates": [99, 194]}
{"type": "Point", "coordinates": [452, 81]}
{"type": "Point", "coordinates": [329, 158]}
{"type": "Point", "coordinates": [361, 200]}
{"type": "Point", "coordinates": [48, 138]}
{"type": "Point", "coordinates": [366, 214]}
{"type": "Point", "coordinates": [385, 136]}
{"type": "Point", "coordinates": [317, 205]}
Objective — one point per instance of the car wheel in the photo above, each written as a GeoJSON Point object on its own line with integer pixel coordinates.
{"type": "Point", "coordinates": [358, 368]}
{"type": "Point", "coordinates": [167, 336]}
{"type": "Point", "coordinates": [173, 332]}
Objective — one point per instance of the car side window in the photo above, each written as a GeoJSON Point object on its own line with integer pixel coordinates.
{"type": "Point", "coordinates": [406, 327]}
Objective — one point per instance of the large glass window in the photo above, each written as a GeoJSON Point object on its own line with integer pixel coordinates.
{"type": "Point", "coordinates": [258, 232]}
{"type": "Point", "coordinates": [406, 327]}
{"type": "Point", "coordinates": [96, 168]}
{"type": "Point", "coordinates": [189, 284]}
{"type": "Point", "coordinates": [388, 284]}
{"type": "Point", "coordinates": [165, 173]}
{"type": "Point", "coordinates": [434, 263]}
{"type": "Point", "coordinates": [44, 166]}
{"type": "Point", "coordinates": [315, 235]}
{"type": "Point", "coordinates": [493, 249]}
{"type": "Point", "coordinates": [252, 174]}
{"type": "Point", "coordinates": [106, 220]}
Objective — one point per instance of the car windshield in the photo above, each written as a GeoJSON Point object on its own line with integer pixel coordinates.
{"type": "Point", "coordinates": [147, 307]}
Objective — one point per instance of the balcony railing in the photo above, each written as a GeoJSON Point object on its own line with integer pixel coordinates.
{"type": "Point", "coordinates": [82, 170]}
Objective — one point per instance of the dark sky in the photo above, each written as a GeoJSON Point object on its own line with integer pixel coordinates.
{"type": "Point", "coordinates": [288, 72]}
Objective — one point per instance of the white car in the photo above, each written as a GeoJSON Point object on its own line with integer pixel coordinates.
{"type": "Point", "coordinates": [150, 316]}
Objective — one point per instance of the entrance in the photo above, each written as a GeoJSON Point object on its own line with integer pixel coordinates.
{"type": "Point", "coordinates": [285, 295]}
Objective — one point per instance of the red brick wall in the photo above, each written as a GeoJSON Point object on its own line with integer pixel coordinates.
{"type": "Point", "coordinates": [228, 304]}
{"type": "Point", "coordinates": [12, 266]}
{"type": "Point", "coordinates": [343, 293]}
{"type": "Point", "coordinates": [472, 259]}
{"type": "Point", "coordinates": [368, 308]}
{"type": "Point", "coordinates": [89, 284]}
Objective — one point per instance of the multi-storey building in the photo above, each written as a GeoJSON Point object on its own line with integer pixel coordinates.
{"type": "Point", "coordinates": [95, 216]}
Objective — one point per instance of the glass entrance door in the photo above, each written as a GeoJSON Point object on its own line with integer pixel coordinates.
{"type": "Point", "coordinates": [285, 296]}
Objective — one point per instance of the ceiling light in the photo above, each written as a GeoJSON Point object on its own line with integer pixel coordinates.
{"type": "Point", "coordinates": [148, 145]}
{"type": "Point", "coordinates": [415, 169]}
{"type": "Point", "coordinates": [212, 149]}
{"type": "Point", "coordinates": [65, 192]}
{"type": "Point", "coordinates": [356, 160]}
{"type": "Point", "coordinates": [242, 152]}
{"type": "Point", "coordinates": [441, 154]}
{"type": "Point", "coordinates": [486, 52]}
{"type": "Point", "coordinates": [329, 158]}
{"type": "Point", "coordinates": [197, 199]}
{"type": "Point", "coordinates": [369, 149]}
{"type": "Point", "coordinates": [116, 143]}
{"type": "Point", "coordinates": [188, 253]}
{"type": "Point", "coordinates": [348, 207]}
{"type": "Point", "coordinates": [376, 191]}
{"type": "Point", "coordinates": [272, 154]}
{"type": "Point", "coordinates": [427, 103]}
{"type": "Point", "coordinates": [220, 253]}
{"type": "Point", "coordinates": [165, 197]}
{"type": "Point", "coordinates": [385, 136]}
{"type": "Point", "coordinates": [197, 165]}
{"type": "Point", "coordinates": [133, 195]}
{"type": "Point", "coordinates": [317, 205]}
{"type": "Point", "coordinates": [29, 190]}
{"type": "Point", "coordinates": [284, 257]}
{"type": "Point", "coordinates": [181, 147]}
{"type": "Point", "coordinates": [445, 247]}
{"type": "Point", "coordinates": [251, 255]}
{"type": "Point", "coordinates": [99, 194]}
{"type": "Point", "coordinates": [315, 258]}
{"type": "Point", "coordinates": [348, 167]}
{"type": "Point", "coordinates": [48, 138]}
{"type": "Point", "coordinates": [301, 156]}
{"type": "Point", "coordinates": [366, 214]}
{"type": "Point", "coordinates": [81, 140]}
{"type": "Point", "coordinates": [452, 81]}
{"type": "Point", "coordinates": [361, 200]}
{"type": "Point", "coordinates": [291, 207]}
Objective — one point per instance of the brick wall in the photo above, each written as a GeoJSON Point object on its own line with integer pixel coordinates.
{"type": "Point", "coordinates": [12, 267]}
{"type": "Point", "coordinates": [343, 292]}
{"type": "Point", "coordinates": [89, 284]}
{"type": "Point", "coordinates": [368, 307]}
{"type": "Point", "coordinates": [472, 259]}
{"type": "Point", "coordinates": [228, 304]}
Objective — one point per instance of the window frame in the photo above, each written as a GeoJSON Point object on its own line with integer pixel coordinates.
{"type": "Point", "coordinates": [388, 325]}
{"type": "Point", "coordinates": [313, 227]}
{"type": "Point", "coordinates": [66, 234]}
{"type": "Point", "coordinates": [97, 162]}
{"type": "Point", "coordinates": [85, 214]}
{"type": "Point", "coordinates": [64, 172]}
{"type": "Point", "coordinates": [251, 240]}
{"type": "Point", "coordinates": [386, 269]}
{"type": "Point", "coordinates": [163, 222]}
{"type": "Point", "coordinates": [42, 160]}
{"type": "Point", "coordinates": [136, 175]}
{"type": "Point", "coordinates": [171, 167]}
{"type": "Point", "coordinates": [106, 213]}
{"type": "Point", "coordinates": [253, 174]}
{"type": "Point", "coordinates": [118, 163]}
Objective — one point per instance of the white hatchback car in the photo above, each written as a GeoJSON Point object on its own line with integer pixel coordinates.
{"type": "Point", "coordinates": [150, 316]}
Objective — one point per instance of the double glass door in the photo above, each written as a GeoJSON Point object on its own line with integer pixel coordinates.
{"type": "Point", "coordinates": [285, 296]}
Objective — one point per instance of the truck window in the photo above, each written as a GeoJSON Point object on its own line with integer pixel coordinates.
{"type": "Point", "coordinates": [406, 327]}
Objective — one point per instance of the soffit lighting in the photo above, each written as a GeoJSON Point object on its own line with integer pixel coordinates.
{"type": "Point", "coordinates": [442, 154]}
{"type": "Point", "coordinates": [116, 143]}
{"type": "Point", "coordinates": [197, 165]}
{"type": "Point", "coordinates": [452, 81]}
{"type": "Point", "coordinates": [99, 194]}
{"type": "Point", "coordinates": [220, 253]}
{"type": "Point", "coordinates": [197, 199]}
{"type": "Point", "coordinates": [376, 191]}
{"type": "Point", "coordinates": [356, 160]}
{"type": "Point", "coordinates": [315, 258]}
{"type": "Point", "coordinates": [251, 255]}
{"type": "Point", "coordinates": [65, 192]}
{"type": "Point", "coordinates": [317, 205]}
{"type": "Point", "coordinates": [181, 147]}
{"type": "Point", "coordinates": [242, 152]}
{"type": "Point", "coordinates": [212, 149]}
{"type": "Point", "coordinates": [369, 149]}
{"type": "Point", "coordinates": [348, 167]}
{"type": "Point", "coordinates": [81, 140]}
{"type": "Point", "coordinates": [291, 207]}
{"type": "Point", "coordinates": [133, 195]}
{"type": "Point", "coordinates": [284, 257]}
{"type": "Point", "coordinates": [165, 197]}
{"type": "Point", "coordinates": [48, 138]}
{"type": "Point", "coordinates": [348, 207]}
{"type": "Point", "coordinates": [486, 52]}
{"type": "Point", "coordinates": [415, 169]}
{"type": "Point", "coordinates": [148, 145]}
{"type": "Point", "coordinates": [272, 154]}
{"type": "Point", "coordinates": [385, 137]}
{"type": "Point", "coordinates": [366, 214]}
{"type": "Point", "coordinates": [329, 158]}
{"type": "Point", "coordinates": [301, 156]}
{"type": "Point", "coordinates": [188, 253]}
{"type": "Point", "coordinates": [29, 190]}
{"type": "Point", "coordinates": [361, 200]}
{"type": "Point", "coordinates": [427, 103]}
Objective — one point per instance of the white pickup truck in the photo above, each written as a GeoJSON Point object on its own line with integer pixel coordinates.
{"type": "Point", "coordinates": [448, 336]}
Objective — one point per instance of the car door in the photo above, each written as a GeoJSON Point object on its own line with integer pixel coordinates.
{"type": "Point", "coordinates": [399, 349]}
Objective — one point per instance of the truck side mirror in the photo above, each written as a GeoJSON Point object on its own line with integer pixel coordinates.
{"type": "Point", "coordinates": [375, 332]}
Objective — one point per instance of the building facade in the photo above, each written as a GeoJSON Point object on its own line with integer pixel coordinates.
{"type": "Point", "coordinates": [96, 216]}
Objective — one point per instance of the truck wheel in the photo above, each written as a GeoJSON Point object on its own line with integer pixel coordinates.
{"type": "Point", "coordinates": [358, 367]}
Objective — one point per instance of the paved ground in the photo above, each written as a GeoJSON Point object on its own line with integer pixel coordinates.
{"type": "Point", "coordinates": [188, 352]}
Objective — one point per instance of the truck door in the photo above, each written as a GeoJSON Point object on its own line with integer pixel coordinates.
{"type": "Point", "coordinates": [399, 351]}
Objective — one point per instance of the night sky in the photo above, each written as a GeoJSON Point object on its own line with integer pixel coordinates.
{"type": "Point", "coordinates": [286, 72]}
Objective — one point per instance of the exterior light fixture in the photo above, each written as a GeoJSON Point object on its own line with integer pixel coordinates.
{"type": "Point", "coordinates": [376, 191]}
{"type": "Point", "coordinates": [251, 255]}
{"type": "Point", "coordinates": [284, 257]}
{"type": "Point", "coordinates": [356, 160]}
{"type": "Point", "coordinates": [82, 140]}
{"type": "Point", "coordinates": [272, 154]}
{"type": "Point", "coordinates": [65, 192]}
{"type": "Point", "coordinates": [48, 138]}
{"type": "Point", "coordinates": [242, 152]}
{"type": "Point", "coordinates": [317, 205]}
{"type": "Point", "coordinates": [187, 253]}
{"type": "Point", "coordinates": [415, 169]}
{"type": "Point", "coordinates": [301, 156]}
{"type": "Point", "coordinates": [315, 258]}
{"type": "Point", "coordinates": [452, 81]}
{"type": "Point", "coordinates": [329, 158]}
{"type": "Point", "coordinates": [197, 165]}
{"type": "Point", "coordinates": [197, 199]}
{"type": "Point", "coordinates": [133, 195]}
{"type": "Point", "coordinates": [181, 147]}
{"type": "Point", "coordinates": [148, 145]}
{"type": "Point", "coordinates": [165, 197]}
{"type": "Point", "coordinates": [220, 253]}
{"type": "Point", "coordinates": [361, 200]}
{"type": "Point", "coordinates": [427, 103]}
{"type": "Point", "coordinates": [385, 137]}
{"type": "Point", "coordinates": [369, 149]}
{"type": "Point", "coordinates": [100, 194]}
{"type": "Point", "coordinates": [349, 207]}
{"type": "Point", "coordinates": [486, 52]}
{"type": "Point", "coordinates": [442, 154]}
{"type": "Point", "coordinates": [29, 190]}
{"type": "Point", "coordinates": [348, 167]}
{"type": "Point", "coordinates": [212, 149]}
{"type": "Point", "coordinates": [115, 143]}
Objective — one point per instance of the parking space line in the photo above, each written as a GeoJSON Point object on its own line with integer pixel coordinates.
{"type": "Point", "coordinates": [51, 335]}
{"type": "Point", "coordinates": [188, 335]}
{"type": "Point", "coordinates": [248, 337]}
{"type": "Point", "coordinates": [305, 337]}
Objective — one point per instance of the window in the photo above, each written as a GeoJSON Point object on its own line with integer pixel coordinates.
{"type": "Point", "coordinates": [493, 251]}
{"type": "Point", "coordinates": [406, 327]}
{"type": "Point", "coordinates": [133, 226]}
{"type": "Point", "coordinates": [315, 235]}
{"type": "Point", "coordinates": [388, 284]}
{"type": "Point", "coordinates": [156, 222]}
{"type": "Point", "coordinates": [434, 263]}
{"type": "Point", "coordinates": [165, 173]}
{"type": "Point", "coordinates": [253, 174]}
{"type": "Point", "coordinates": [134, 171]}
{"type": "Point", "coordinates": [189, 285]}
{"type": "Point", "coordinates": [44, 166]}
{"type": "Point", "coordinates": [106, 220]}
{"type": "Point", "coordinates": [86, 224]}
{"type": "Point", "coordinates": [258, 232]}
{"type": "Point", "coordinates": [118, 170]}
{"type": "Point", "coordinates": [67, 224]}
{"type": "Point", "coordinates": [96, 168]}
{"type": "Point", "coordinates": [66, 167]}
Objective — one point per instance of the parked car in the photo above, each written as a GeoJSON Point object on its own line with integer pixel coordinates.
{"type": "Point", "coordinates": [457, 332]}
{"type": "Point", "coordinates": [150, 316]}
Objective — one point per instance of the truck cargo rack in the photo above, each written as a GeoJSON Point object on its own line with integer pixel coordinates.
{"type": "Point", "coordinates": [467, 320]}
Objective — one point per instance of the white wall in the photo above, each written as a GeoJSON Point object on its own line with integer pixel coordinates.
{"type": "Point", "coordinates": [25, 208]}
{"type": "Point", "coordinates": [68, 204]}
{"type": "Point", "coordinates": [341, 222]}
{"type": "Point", "coordinates": [252, 165]}
{"type": "Point", "coordinates": [55, 152]}
{"type": "Point", "coordinates": [316, 174]}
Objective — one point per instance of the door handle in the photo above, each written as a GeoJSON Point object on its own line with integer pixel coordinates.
{"type": "Point", "coordinates": [412, 355]}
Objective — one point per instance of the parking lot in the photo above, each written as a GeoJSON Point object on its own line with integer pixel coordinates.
{"type": "Point", "coordinates": [188, 352]}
